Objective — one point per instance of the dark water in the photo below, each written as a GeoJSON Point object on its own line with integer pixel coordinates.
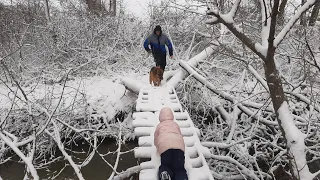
{"type": "Point", "coordinates": [97, 169]}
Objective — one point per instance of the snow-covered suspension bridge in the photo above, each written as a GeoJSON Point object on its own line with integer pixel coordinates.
{"type": "Point", "coordinates": [149, 102]}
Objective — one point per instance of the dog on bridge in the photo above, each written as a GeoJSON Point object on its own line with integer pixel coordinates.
{"type": "Point", "coordinates": [156, 75]}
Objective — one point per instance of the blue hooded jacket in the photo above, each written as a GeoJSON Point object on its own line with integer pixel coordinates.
{"type": "Point", "coordinates": [157, 44]}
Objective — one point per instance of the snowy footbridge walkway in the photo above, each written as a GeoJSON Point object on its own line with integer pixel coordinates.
{"type": "Point", "coordinates": [149, 103]}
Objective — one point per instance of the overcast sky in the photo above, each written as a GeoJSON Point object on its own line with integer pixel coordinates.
{"type": "Point", "coordinates": [137, 7]}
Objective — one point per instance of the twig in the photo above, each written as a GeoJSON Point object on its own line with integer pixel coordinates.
{"type": "Point", "coordinates": [223, 145]}
{"type": "Point", "coordinates": [118, 152]}
{"type": "Point", "coordinates": [56, 138]}
{"type": "Point", "coordinates": [25, 159]}
{"type": "Point", "coordinates": [243, 169]}
{"type": "Point", "coordinates": [77, 130]}
{"type": "Point", "coordinates": [3, 120]}
{"type": "Point", "coordinates": [127, 173]}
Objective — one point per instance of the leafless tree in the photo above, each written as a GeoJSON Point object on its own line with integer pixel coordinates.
{"type": "Point", "coordinates": [113, 7]}
{"type": "Point", "coordinates": [30, 59]}
{"type": "Point", "coordinates": [95, 6]}
{"type": "Point", "coordinates": [314, 14]}
{"type": "Point", "coordinates": [303, 17]}
{"type": "Point", "coordinates": [282, 8]}
{"type": "Point", "coordinates": [225, 54]}
{"type": "Point", "coordinates": [266, 51]}
{"type": "Point", "coordinates": [47, 10]}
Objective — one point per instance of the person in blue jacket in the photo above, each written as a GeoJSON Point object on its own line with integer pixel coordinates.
{"type": "Point", "coordinates": [155, 44]}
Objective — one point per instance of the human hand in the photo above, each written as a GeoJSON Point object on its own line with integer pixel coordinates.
{"type": "Point", "coordinates": [148, 54]}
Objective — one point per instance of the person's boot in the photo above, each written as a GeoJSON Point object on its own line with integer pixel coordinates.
{"type": "Point", "coordinates": [165, 176]}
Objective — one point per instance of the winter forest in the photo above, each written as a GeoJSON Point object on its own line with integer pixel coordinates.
{"type": "Point", "coordinates": [247, 71]}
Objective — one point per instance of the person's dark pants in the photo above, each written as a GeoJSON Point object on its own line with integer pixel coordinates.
{"type": "Point", "coordinates": [172, 161]}
{"type": "Point", "coordinates": [160, 60]}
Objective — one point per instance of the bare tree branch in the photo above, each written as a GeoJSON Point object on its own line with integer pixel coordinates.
{"type": "Point", "coordinates": [26, 160]}
{"type": "Point", "coordinates": [292, 21]}
{"type": "Point", "coordinates": [246, 40]}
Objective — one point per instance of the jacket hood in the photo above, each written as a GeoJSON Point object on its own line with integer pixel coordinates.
{"type": "Point", "coordinates": [157, 28]}
{"type": "Point", "coordinates": [166, 114]}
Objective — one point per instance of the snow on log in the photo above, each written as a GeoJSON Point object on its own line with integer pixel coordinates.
{"type": "Point", "coordinates": [131, 84]}
{"type": "Point", "coordinates": [182, 74]}
{"type": "Point", "coordinates": [295, 142]}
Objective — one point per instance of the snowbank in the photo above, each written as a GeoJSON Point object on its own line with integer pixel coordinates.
{"type": "Point", "coordinates": [105, 97]}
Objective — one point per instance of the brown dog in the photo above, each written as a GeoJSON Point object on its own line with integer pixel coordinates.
{"type": "Point", "coordinates": [156, 75]}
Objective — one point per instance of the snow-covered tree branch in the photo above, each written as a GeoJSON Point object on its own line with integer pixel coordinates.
{"type": "Point", "coordinates": [299, 168]}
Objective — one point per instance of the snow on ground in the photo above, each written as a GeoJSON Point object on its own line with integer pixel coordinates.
{"type": "Point", "coordinates": [106, 96]}
{"type": "Point", "coordinates": [7, 2]}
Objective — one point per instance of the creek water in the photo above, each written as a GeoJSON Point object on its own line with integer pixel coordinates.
{"type": "Point", "coordinates": [97, 169]}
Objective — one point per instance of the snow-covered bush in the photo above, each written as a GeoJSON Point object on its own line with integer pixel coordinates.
{"type": "Point", "coordinates": [59, 84]}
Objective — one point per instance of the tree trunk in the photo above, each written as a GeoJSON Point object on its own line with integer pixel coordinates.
{"type": "Point", "coordinates": [276, 90]}
{"type": "Point", "coordinates": [275, 87]}
{"type": "Point", "coordinates": [291, 134]}
{"type": "Point", "coordinates": [314, 14]}
{"type": "Point", "coordinates": [113, 7]}
{"type": "Point", "coordinates": [271, 72]}
{"type": "Point", "coordinates": [94, 6]}
{"type": "Point", "coordinates": [91, 5]}
{"type": "Point", "coordinates": [303, 18]}
{"type": "Point", "coordinates": [282, 10]}
{"type": "Point", "coordinates": [274, 83]}
{"type": "Point", "coordinates": [46, 7]}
